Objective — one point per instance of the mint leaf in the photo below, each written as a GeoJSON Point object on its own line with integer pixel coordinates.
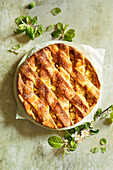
{"type": "Point", "coordinates": [56, 34]}
{"type": "Point", "coordinates": [19, 20]}
{"type": "Point", "coordinates": [30, 32]}
{"type": "Point", "coordinates": [103, 141]}
{"type": "Point", "coordinates": [56, 11]}
{"type": "Point", "coordinates": [21, 27]}
{"type": "Point", "coordinates": [66, 38]}
{"type": "Point", "coordinates": [28, 19]}
{"type": "Point", "coordinates": [70, 33]}
{"type": "Point", "coordinates": [95, 150]}
{"type": "Point", "coordinates": [17, 31]}
{"type": "Point", "coordinates": [34, 20]}
{"type": "Point", "coordinates": [55, 142]}
{"type": "Point", "coordinates": [50, 27]}
{"type": "Point", "coordinates": [16, 47]}
{"type": "Point", "coordinates": [103, 149]}
{"type": "Point", "coordinates": [59, 26]}
{"type": "Point", "coordinates": [32, 5]}
{"type": "Point", "coordinates": [41, 29]}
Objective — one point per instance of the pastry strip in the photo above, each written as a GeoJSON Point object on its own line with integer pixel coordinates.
{"type": "Point", "coordinates": [77, 75]}
{"type": "Point", "coordinates": [63, 100]}
{"type": "Point", "coordinates": [33, 99]}
{"type": "Point", "coordinates": [47, 93]}
{"type": "Point", "coordinates": [61, 83]}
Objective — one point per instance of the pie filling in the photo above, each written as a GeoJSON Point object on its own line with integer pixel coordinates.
{"type": "Point", "coordinates": [58, 86]}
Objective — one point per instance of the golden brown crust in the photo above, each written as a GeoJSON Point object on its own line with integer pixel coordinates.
{"type": "Point", "coordinates": [56, 86]}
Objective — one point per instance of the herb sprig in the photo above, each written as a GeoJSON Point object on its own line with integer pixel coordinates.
{"type": "Point", "coordinates": [29, 26]}
{"type": "Point", "coordinates": [72, 137]}
{"type": "Point", "coordinates": [60, 32]}
{"type": "Point", "coordinates": [75, 135]}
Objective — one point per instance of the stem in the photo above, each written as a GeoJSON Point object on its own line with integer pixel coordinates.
{"type": "Point", "coordinates": [106, 109]}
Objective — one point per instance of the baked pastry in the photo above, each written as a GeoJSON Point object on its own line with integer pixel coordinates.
{"type": "Point", "coordinates": [58, 86]}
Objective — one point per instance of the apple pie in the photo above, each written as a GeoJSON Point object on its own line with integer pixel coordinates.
{"type": "Point", "coordinates": [58, 86]}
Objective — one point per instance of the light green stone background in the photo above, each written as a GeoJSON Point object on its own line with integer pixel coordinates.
{"type": "Point", "coordinates": [23, 145]}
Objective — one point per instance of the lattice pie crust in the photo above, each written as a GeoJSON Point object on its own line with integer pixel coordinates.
{"type": "Point", "coordinates": [58, 86]}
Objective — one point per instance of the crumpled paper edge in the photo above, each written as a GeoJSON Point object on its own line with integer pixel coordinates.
{"type": "Point", "coordinates": [95, 56]}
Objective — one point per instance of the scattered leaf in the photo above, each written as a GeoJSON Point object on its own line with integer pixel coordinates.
{"type": "Point", "coordinates": [103, 149]}
{"type": "Point", "coordinates": [50, 27]}
{"type": "Point", "coordinates": [56, 11]}
{"type": "Point", "coordinates": [95, 150]}
{"type": "Point", "coordinates": [103, 141]}
{"type": "Point", "coordinates": [16, 47]}
{"type": "Point", "coordinates": [55, 142]}
{"type": "Point", "coordinates": [32, 5]}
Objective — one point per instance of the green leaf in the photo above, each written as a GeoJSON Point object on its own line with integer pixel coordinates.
{"type": "Point", "coordinates": [87, 125]}
{"type": "Point", "coordinates": [103, 141]}
{"type": "Point", "coordinates": [17, 31]}
{"type": "Point", "coordinates": [97, 114]}
{"type": "Point", "coordinates": [70, 33]}
{"type": "Point", "coordinates": [59, 26]}
{"type": "Point", "coordinates": [55, 142]}
{"type": "Point", "coordinates": [72, 143]}
{"type": "Point", "coordinates": [95, 150]}
{"type": "Point", "coordinates": [56, 34]}
{"type": "Point", "coordinates": [16, 47]}
{"type": "Point", "coordinates": [111, 107]}
{"type": "Point", "coordinates": [67, 136]}
{"type": "Point", "coordinates": [103, 149]}
{"type": "Point", "coordinates": [34, 20]}
{"type": "Point", "coordinates": [41, 29]}
{"type": "Point", "coordinates": [28, 19]}
{"type": "Point", "coordinates": [56, 11]}
{"type": "Point", "coordinates": [21, 27]}
{"type": "Point", "coordinates": [71, 131]}
{"type": "Point", "coordinates": [20, 19]}
{"type": "Point", "coordinates": [79, 128]}
{"type": "Point", "coordinates": [111, 115]}
{"type": "Point", "coordinates": [30, 32]}
{"type": "Point", "coordinates": [50, 27]}
{"type": "Point", "coordinates": [32, 5]}
{"type": "Point", "coordinates": [65, 27]}
{"type": "Point", "coordinates": [73, 146]}
{"type": "Point", "coordinates": [66, 38]}
{"type": "Point", "coordinates": [37, 34]}
{"type": "Point", "coordinates": [93, 132]}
